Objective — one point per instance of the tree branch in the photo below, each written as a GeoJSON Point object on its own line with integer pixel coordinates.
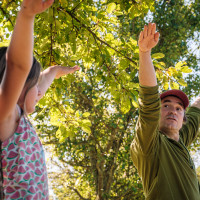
{"type": "Point", "coordinates": [7, 16]}
{"type": "Point", "coordinates": [100, 166]}
{"type": "Point", "coordinates": [78, 193]}
{"type": "Point", "coordinates": [74, 9]}
{"type": "Point", "coordinates": [94, 35]}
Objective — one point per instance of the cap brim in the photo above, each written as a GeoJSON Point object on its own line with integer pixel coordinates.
{"type": "Point", "coordinates": [177, 93]}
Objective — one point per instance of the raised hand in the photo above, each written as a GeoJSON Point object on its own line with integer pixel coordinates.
{"type": "Point", "coordinates": [33, 7]}
{"type": "Point", "coordinates": [148, 38]}
{"type": "Point", "coordinates": [66, 70]}
{"type": "Point", "coordinates": [49, 74]}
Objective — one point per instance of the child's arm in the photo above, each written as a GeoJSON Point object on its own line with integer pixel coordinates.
{"type": "Point", "coordinates": [48, 75]}
{"type": "Point", "coordinates": [19, 56]}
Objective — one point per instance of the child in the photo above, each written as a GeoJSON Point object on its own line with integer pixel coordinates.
{"type": "Point", "coordinates": [23, 169]}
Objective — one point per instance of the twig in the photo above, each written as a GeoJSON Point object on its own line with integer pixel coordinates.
{"type": "Point", "coordinates": [77, 192]}
{"type": "Point", "coordinates": [94, 35]}
{"type": "Point", "coordinates": [6, 14]}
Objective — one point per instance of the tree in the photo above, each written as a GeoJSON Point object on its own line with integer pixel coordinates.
{"type": "Point", "coordinates": [178, 23]}
{"type": "Point", "coordinates": [89, 118]}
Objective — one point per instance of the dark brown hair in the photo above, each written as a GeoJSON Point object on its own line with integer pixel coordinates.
{"type": "Point", "coordinates": [33, 75]}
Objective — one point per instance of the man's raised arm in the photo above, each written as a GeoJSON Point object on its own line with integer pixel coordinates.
{"type": "Point", "coordinates": [147, 40]}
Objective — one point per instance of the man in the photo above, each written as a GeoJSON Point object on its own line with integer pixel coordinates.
{"type": "Point", "coordinates": [159, 149]}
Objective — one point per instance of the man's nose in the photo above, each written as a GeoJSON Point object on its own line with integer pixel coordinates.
{"type": "Point", "coordinates": [172, 110]}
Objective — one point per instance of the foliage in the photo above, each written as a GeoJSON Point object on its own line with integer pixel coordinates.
{"type": "Point", "coordinates": [178, 24]}
{"type": "Point", "coordinates": [89, 118]}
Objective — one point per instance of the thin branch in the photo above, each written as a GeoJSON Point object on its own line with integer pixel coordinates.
{"type": "Point", "coordinates": [74, 9]}
{"type": "Point", "coordinates": [78, 193]}
{"type": "Point", "coordinates": [114, 75]}
{"type": "Point", "coordinates": [75, 163]}
{"type": "Point", "coordinates": [6, 15]}
{"type": "Point", "coordinates": [94, 35]}
{"type": "Point", "coordinates": [50, 142]}
{"type": "Point", "coordinates": [51, 48]}
{"type": "Point", "coordinates": [128, 193]}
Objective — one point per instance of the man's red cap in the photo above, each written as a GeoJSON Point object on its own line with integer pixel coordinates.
{"type": "Point", "coordinates": [177, 93]}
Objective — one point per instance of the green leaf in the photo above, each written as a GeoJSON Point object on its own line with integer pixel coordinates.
{"type": "Point", "coordinates": [174, 85]}
{"type": "Point", "coordinates": [123, 64]}
{"type": "Point", "coordinates": [86, 129]}
{"type": "Point", "coordinates": [64, 2]}
{"type": "Point", "coordinates": [135, 104]}
{"type": "Point", "coordinates": [132, 85]}
{"type": "Point", "coordinates": [158, 65]}
{"type": "Point", "coordinates": [109, 37]}
{"type": "Point", "coordinates": [185, 69]}
{"type": "Point", "coordinates": [61, 133]}
{"type": "Point", "coordinates": [179, 65]}
{"type": "Point", "coordinates": [133, 42]}
{"type": "Point", "coordinates": [134, 12]}
{"type": "Point", "coordinates": [125, 104]}
{"type": "Point", "coordinates": [182, 82]}
{"type": "Point", "coordinates": [158, 55]}
{"type": "Point", "coordinates": [118, 13]}
{"type": "Point", "coordinates": [77, 114]}
{"type": "Point", "coordinates": [111, 7]}
{"type": "Point", "coordinates": [166, 86]}
{"type": "Point", "coordinates": [86, 122]}
{"type": "Point", "coordinates": [86, 114]}
{"type": "Point", "coordinates": [43, 102]}
{"type": "Point", "coordinates": [76, 57]}
{"type": "Point", "coordinates": [74, 47]}
{"type": "Point", "coordinates": [162, 63]}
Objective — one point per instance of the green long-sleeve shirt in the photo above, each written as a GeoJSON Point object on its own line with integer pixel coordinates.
{"type": "Point", "coordinates": [164, 165]}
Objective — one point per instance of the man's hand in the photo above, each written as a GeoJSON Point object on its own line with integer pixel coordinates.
{"type": "Point", "coordinates": [32, 7]}
{"type": "Point", "coordinates": [61, 71]}
{"type": "Point", "coordinates": [148, 38]}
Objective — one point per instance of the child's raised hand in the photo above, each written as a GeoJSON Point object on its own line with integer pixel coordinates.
{"type": "Point", "coordinates": [61, 71]}
{"type": "Point", "coordinates": [148, 38]}
{"type": "Point", "coordinates": [49, 74]}
{"type": "Point", "coordinates": [33, 7]}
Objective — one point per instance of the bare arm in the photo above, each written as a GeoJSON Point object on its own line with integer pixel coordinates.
{"type": "Point", "coordinates": [48, 75]}
{"type": "Point", "coordinates": [147, 40]}
{"type": "Point", "coordinates": [19, 56]}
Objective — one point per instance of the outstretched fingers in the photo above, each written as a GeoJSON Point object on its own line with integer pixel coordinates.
{"type": "Point", "coordinates": [149, 30]}
{"type": "Point", "coordinates": [61, 71]}
{"type": "Point", "coordinates": [153, 28]}
{"type": "Point", "coordinates": [145, 31]}
{"type": "Point", "coordinates": [156, 37]}
{"type": "Point", "coordinates": [148, 38]}
{"type": "Point", "coordinates": [47, 4]}
{"type": "Point", "coordinates": [75, 68]}
{"type": "Point", "coordinates": [141, 36]}
{"type": "Point", "coordinates": [33, 7]}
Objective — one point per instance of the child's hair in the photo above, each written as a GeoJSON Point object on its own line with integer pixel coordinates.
{"type": "Point", "coordinates": [2, 61]}
{"type": "Point", "coordinates": [33, 75]}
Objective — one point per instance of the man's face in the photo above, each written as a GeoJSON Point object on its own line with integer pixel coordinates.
{"type": "Point", "coordinates": [172, 114]}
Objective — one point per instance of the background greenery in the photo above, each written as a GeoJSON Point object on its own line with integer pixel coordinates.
{"type": "Point", "coordinates": [87, 120]}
